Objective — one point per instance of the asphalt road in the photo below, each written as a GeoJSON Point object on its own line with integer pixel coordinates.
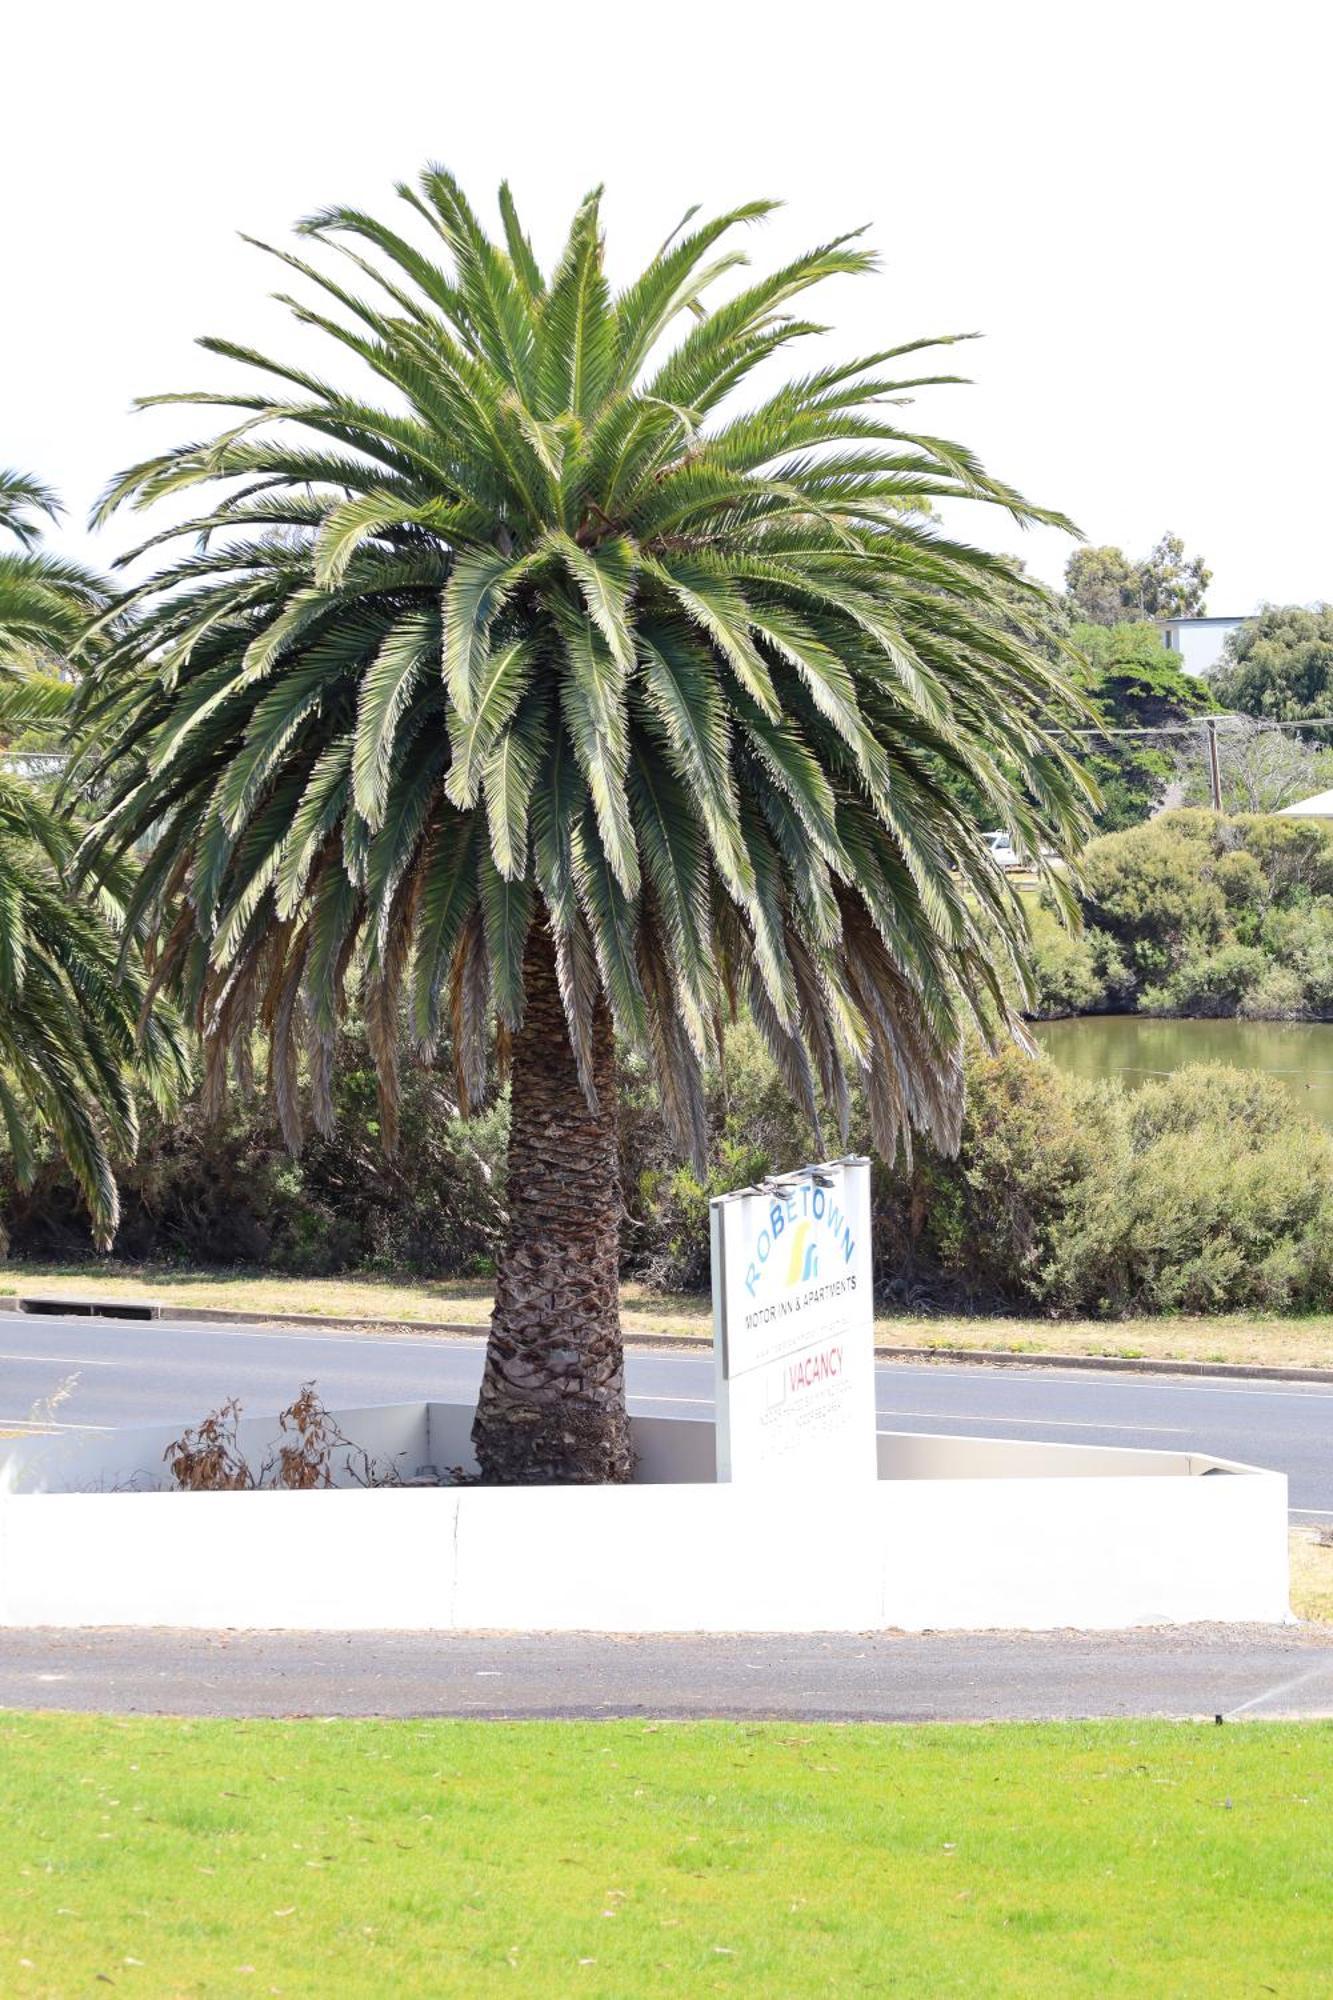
{"type": "Point", "coordinates": [1239, 1673]}
{"type": "Point", "coordinates": [102, 1373]}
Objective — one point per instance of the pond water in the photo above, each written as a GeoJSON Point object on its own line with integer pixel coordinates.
{"type": "Point", "coordinates": [1135, 1048]}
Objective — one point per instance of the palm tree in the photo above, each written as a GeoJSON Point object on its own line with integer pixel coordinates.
{"type": "Point", "coordinates": [45, 604]}
{"type": "Point", "coordinates": [547, 695]}
{"type": "Point", "coordinates": [45, 601]}
{"type": "Point", "coordinates": [71, 996]}
{"type": "Point", "coordinates": [72, 989]}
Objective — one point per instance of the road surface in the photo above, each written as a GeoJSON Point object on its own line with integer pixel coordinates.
{"type": "Point", "coordinates": [1242, 1673]}
{"type": "Point", "coordinates": [104, 1373]}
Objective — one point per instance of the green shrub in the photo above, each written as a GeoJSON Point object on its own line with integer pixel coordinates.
{"type": "Point", "coordinates": [1203, 1191]}
{"type": "Point", "coordinates": [1208, 983]}
{"type": "Point", "coordinates": [1077, 972]}
{"type": "Point", "coordinates": [1242, 882]}
{"type": "Point", "coordinates": [1066, 969]}
{"type": "Point", "coordinates": [1222, 1199]}
{"type": "Point", "coordinates": [1213, 1097]}
{"type": "Point", "coordinates": [1299, 936]}
{"type": "Point", "coordinates": [1206, 1191]}
{"type": "Point", "coordinates": [1279, 996]}
{"type": "Point", "coordinates": [229, 1192]}
{"type": "Point", "coordinates": [1032, 1140]}
{"type": "Point", "coordinates": [1295, 855]}
{"type": "Point", "coordinates": [1194, 913]}
{"type": "Point", "coordinates": [1151, 889]}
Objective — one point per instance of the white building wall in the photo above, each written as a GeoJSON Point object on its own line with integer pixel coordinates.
{"type": "Point", "coordinates": [1198, 642]}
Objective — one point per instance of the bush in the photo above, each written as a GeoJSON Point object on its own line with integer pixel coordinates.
{"type": "Point", "coordinates": [1205, 1191]}
{"type": "Point", "coordinates": [230, 1193]}
{"type": "Point", "coordinates": [1207, 984]}
{"type": "Point", "coordinates": [1243, 885]}
{"type": "Point", "coordinates": [1151, 890]}
{"type": "Point", "coordinates": [1066, 969]}
{"type": "Point", "coordinates": [1220, 1198]}
{"type": "Point", "coordinates": [1279, 996]}
{"type": "Point", "coordinates": [1077, 972]}
{"type": "Point", "coordinates": [1295, 855]}
{"type": "Point", "coordinates": [1299, 936]}
{"type": "Point", "coordinates": [1032, 1140]}
{"type": "Point", "coordinates": [1197, 914]}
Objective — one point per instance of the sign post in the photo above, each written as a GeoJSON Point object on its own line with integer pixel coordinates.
{"type": "Point", "coordinates": [793, 1328]}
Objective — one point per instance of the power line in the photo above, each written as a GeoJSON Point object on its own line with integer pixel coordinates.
{"type": "Point", "coordinates": [1228, 724]}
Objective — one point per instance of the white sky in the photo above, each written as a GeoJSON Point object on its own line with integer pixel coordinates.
{"type": "Point", "coordinates": [1129, 201]}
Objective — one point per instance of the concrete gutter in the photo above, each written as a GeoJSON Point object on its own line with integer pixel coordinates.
{"type": "Point", "coordinates": [990, 1357]}
{"type": "Point", "coordinates": [1245, 1371]}
{"type": "Point", "coordinates": [51, 1305]}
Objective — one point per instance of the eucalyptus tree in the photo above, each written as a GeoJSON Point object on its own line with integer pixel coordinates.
{"type": "Point", "coordinates": [72, 988]}
{"type": "Point", "coordinates": [560, 688]}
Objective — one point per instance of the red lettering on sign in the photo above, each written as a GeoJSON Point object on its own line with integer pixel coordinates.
{"type": "Point", "coordinates": [819, 1365]}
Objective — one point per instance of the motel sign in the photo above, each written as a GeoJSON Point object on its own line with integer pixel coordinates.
{"type": "Point", "coordinates": [793, 1328]}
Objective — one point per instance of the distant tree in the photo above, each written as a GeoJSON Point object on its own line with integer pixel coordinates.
{"type": "Point", "coordinates": [1132, 682]}
{"type": "Point", "coordinates": [1135, 679]}
{"type": "Point", "coordinates": [45, 603]}
{"type": "Point", "coordinates": [1261, 770]}
{"type": "Point", "coordinates": [1170, 584]}
{"type": "Point", "coordinates": [1104, 587]}
{"type": "Point", "coordinates": [1279, 664]}
{"type": "Point", "coordinates": [1099, 585]}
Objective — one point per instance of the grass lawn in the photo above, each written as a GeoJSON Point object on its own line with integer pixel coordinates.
{"type": "Point", "coordinates": [1303, 1343]}
{"type": "Point", "coordinates": [624, 1859]}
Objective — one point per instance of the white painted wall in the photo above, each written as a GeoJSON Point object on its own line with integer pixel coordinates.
{"type": "Point", "coordinates": [1198, 642]}
{"type": "Point", "coordinates": [964, 1533]}
{"type": "Point", "coordinates": [400, 1437]}
{"type": "Point", "coordinates": [397, 1437]}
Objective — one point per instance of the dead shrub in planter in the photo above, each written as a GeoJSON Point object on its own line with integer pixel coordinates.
{"type": "Point", "coordinates": [307, 1460]}
{"type": "Point", "coordinates": [208, 1458]}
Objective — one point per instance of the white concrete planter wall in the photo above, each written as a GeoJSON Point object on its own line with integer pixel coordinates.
{"type": "Point", "coordinates": [958, 1533]}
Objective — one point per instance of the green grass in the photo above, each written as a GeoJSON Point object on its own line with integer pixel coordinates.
{"type": "Point", "coordinates": [466, 1302]}
{"type": "Point", "coordinates": [629, 1860]}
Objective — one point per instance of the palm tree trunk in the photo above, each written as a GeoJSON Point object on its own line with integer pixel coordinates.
{"type": "Point", "coordinates": [552, 1404]}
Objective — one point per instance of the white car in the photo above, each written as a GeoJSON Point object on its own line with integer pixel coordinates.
{"type": "Point", "coordinates": [1002, 849]}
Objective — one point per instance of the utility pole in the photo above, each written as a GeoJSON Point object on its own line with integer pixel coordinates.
{"type": "Point", "coordinates": [1214, 775]}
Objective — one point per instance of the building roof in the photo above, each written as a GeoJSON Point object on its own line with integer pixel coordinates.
{"type": "Point", "coordinates": [1221, 618]}
{"type": "Point", "coordinates": [1318, 806]}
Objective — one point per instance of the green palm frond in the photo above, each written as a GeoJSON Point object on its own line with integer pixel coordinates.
{"type": "Point", "coordinates": [26, 505]}
{"type": "Point", "coordinates": [75, 1026]}
{"type": "Point", "coordinates": [78, 1028]}
{"type": "Point", "coordinates": [45, 601]}
{"type": "Point", "coordinates": [518, 613]}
